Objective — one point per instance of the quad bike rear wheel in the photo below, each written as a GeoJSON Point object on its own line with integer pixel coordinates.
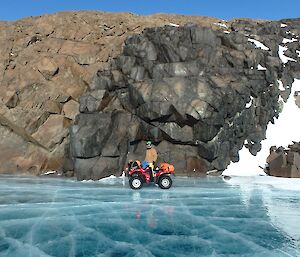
{"type": "Point", "coordinates": [165, 182]}
{"type": "Point", "coordinates": [136, 182]}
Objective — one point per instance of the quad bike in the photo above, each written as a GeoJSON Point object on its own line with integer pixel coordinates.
{"type": "Point", "coordinates": [161, 175]}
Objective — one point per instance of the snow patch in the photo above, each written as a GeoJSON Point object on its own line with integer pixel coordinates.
{"type": "Point", "coordinates": [110, 180]}
{"type": "Point", "coordinates": [174, 25]}
{"type": "Point", "coordinates": [287, 122]}
{"type": "Point", "coordinates": [280, 86]}
{"type": "Point", "coordinates": [221, 25]}
{"type": "Point", "coordinates": [87, 181]}
{"type": "Point", "coordinates": [282, 25]}
{"type": "Point", "coordinates": [259, 67]}
{"type": "Point", "coordinates": [298, 52]}
{"type": "Point", "coordinates": [49, 172]}
{"type": "Point", "coordinates": [282, 57]}
{"type": "Point", "coordinates": [258, 44]}
{"type": "Point", "coordinates": [107, 178]}
{"type": "Point", "coordinates": [248, 105]}
{"type": "Point", "coordinates": [280, 99]}
{"type": "Point", "coordinates": [226, 32]}
{"type": "Point", "coordinates": [286, 40]}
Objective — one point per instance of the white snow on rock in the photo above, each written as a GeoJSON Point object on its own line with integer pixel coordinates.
{"type": "Point", "coordinates": [49, 172]}
{"type": "Point", "coordinates": [110, 180]}
{"type": "Point", "coordinates": [258, 44]}
{"type": "Point", "coordinates": [281, 88]}
{"type": "Point", "coordinates": [298, 52]}
{"type": "Point", "coordinates": [286, 40]}
{"type": "Point", "coordinates": [221, 25]}
{"type": "Point", "coordinates": [248, 105]}
{"type": "Point", "coordinates": [283, 25]}
{"type": "Point", "coordinates": [282, 133]}
{"type": "Point", "coordinates": [173, 24]}
{"type": "Point", "coordinates": [226, 32]}
{"type": "Point", "coordinates": [259, 67]}
{"type": "Point", "coordinates": [282, 57]}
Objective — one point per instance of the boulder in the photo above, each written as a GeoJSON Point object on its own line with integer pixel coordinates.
{"type": "Point", "coordinates": [47, 67]}
{"type": "Point", "coordinates": [173, 132]}
{"type": "Point", "coordinates": [13, 99]}
{"type": "Point", "coordinates": [102, 81]}
{"type": "Point", "coordinates": [53, 107]}
{"type": "Point", "coordinates": [284, 162]}
{"type": "Point", "coordinates": [83, 52]}
{"type": "Point", "coordinates": [71, 109]}
{"type": "Point", "coordinates": [89, 133]}
{"type": "Point", "coordinates": [96, 168]}
{"type": "Point", "coordinates": [297, 100]}
{"type": "Point", "coordinates": [196, 166]}
{"type": "Point", "coordinates": [205, 36]}
{"type": "Point", "coordinates": [53, 131]}
{"type": "Point", "coordinates": [95, 101]}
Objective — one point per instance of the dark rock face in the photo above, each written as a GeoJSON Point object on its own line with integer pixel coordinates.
{"type": "Point", "coordinates": [284, 162]}
{"type": "Point", "coordinates": [197, 93]}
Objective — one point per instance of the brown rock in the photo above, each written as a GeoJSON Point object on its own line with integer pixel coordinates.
{"type": "Point", "coordinates": [53, 131]}
{"type": "Point", "coordinates": [84, 53]}
{"type": "Point", "coordinates": [52, 107]}
{"type": "Point", "coordinates": [71, 109]}
{"type": "Point", "coordinates": [62, 98]}
{"type": "Point", "coordinates": [69, 174]}
{"type": "Point", "coordinates": [13, 100]}
{"type": "Point", "coordinates": [278, 162]}
{"type": "Point", "coordinates": [280, 172]}
{"type": "Point", "coordinates": [37, 122]}
{"type": "Point", "coordinates": [293, 158]}
{"type": "Point", "coordinates": [297, 100]}
{"type": "Point", "coordinates": [295, 171]}
{"type": "Point", "coordinates": [47, 67]}
{"type": "Point", "coordinates": [19, 156]}
{"type": "Point", "coordinates": [196, 166]}
{"type": "Point", "coordinates": [285, 163]}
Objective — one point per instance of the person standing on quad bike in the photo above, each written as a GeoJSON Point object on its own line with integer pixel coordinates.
{"type": "Point", "coordinates": [151, 156]}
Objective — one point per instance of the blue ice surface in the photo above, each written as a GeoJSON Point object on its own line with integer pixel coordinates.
{"type": "Point", "coordinates": [196, 217]}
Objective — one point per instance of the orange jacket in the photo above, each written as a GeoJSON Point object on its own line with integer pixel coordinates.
{"type": "Point", "coordinates": [151, 155]}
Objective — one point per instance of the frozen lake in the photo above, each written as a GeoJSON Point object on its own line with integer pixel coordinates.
{"type": "Point", "coordinates": [196, 217]}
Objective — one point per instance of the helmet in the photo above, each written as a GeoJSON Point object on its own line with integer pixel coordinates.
{"type": "Point", "coordinates": [148, 143]}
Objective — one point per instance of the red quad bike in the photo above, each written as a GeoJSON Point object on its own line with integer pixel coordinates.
{"type": "Point", "coordinates": [161, 175]}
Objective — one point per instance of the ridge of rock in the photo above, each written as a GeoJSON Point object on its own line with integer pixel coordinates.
{"type": "Point", "coordinates": [48, 66]}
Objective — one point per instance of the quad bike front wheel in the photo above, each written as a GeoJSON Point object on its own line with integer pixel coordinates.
{"type": "Point", "coordinates": [165, 182]}
{"type": "Point", "coordinates": [135, 182]}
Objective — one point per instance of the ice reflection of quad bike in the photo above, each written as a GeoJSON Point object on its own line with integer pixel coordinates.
{"type": "Point", "coordinates": [138, 176]}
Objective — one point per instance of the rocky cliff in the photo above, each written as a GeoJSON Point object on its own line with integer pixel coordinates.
{"type": "Point", "coordinates": [199, 88]}
{"type": "Point", "coordinates": [46, 64]}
